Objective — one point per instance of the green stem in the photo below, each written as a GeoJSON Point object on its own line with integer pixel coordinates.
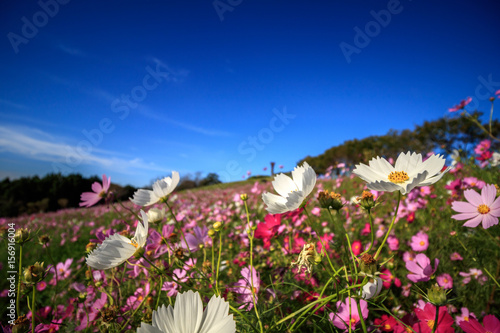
{"type": "Point", "coordinates": [19, 279]}
{"type": "Point", "coordinates": [218, 263]}
{"type": "Point", "coordinates": [372, 232]}
{"type": "Point", "coordinates": [361, 319]}
{"type": "Point", "coordinates": [250, 238]}
{"type": "Point", "coordinates": [390, 227]}
{"type": "Point", "coordinates": [434, 327]}
{"type": "Point", "coordinates": [323, 247]}
{"type": "Point", "coordinates": [33, 312]}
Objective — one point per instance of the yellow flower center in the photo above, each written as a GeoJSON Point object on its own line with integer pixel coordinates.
{"type": "Point", "coordinates": [398, 177]}
{"type": "Point", "coordinates": [353, 321]}
{"type": "Point", "coordinates": [466, 318]}
{"type": "Point", "coordinates": [134, 243]}
{"type": "Point", "coordinates": [483, 209]}
{"type": "Point", "coordinates": [422, 243]}
{"type": "Point", "coordinates": [387, 326]}
{"type": "Point", "coordinates": [430, 323]}
{"type": "Point", "coordinates": [445, 280]}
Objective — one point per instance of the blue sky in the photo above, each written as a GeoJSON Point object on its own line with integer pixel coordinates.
{"type": "Point", "coordinates": [136, 89]}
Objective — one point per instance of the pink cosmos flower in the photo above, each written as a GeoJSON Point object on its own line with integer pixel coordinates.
{"type": "Point", "coordinates": [388, 278]}
{"type": "Point", "coordinates": [420, 242]}
{"type": "Point", "coordinates": [268, 229]}
{"type": "Point", "coordinates": [427, 318]}
{"type": "Point", "coordinates": [474, 182]}
{"type": "Point", "coordinates": [244, 288]}
{"type": "Point", "coordinates": [456, 256]}
{"type": "Point", "coordinates": [497, 92]}
{"type": "Point", "coordinates": [445, 281]}
{"type": "Point", "coordinates": [465, 316]}
{"type": "Point", "coordinates": [393, 243]}
{"type": "Point", "coordinates": [356, 247]}
{"type": "Point", "coordinates": [408, 256]}
{"type": "Point", "coordinates": [473, 273]}
{"type": "Point", "coordinates": [421, 268]}
{"type": "Point", "coordinates": [342, 317]}
{"type": "Point", "coordinates": [482, 147]}
{"type": "Point", "coordinates": [479, 208]}
{"type": "Point", "coordinates": [100, 191]}
{"type": "Point", "coordinates": [461, 105]}
{"type": "Point", "coordinates": [491, 324]}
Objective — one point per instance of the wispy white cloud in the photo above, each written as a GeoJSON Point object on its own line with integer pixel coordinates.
{"type": "Point", "coordinates": [40, 146]}
{"type": "Point", "coordinates": [73, 51]}
{"type": "Point", "coordinates": [13, 104]}
{"type": "Point", "coordinates": [146, 112]}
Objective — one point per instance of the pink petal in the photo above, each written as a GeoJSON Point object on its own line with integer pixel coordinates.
{"type": "Point", "coordinates": [96, 187]}
{"type": "Point", "coordinates": [491, 323]}
{"type": "Point", "coordinates": [422, 260]}
{"type": "Point", "coordinates": [463, 207]}
{"type": "Point", "coordinates": [489, 221]}
{"type": "Point", "coordinates": [488, 194]}
{"type": "Point", "coordinates": [474, 222]}
{"type": "Point", "coordinates": [105, 183]}
{"type": "Point", "coordinates": [473, 197]}
{"type": "Point", "coordinates": [465, 216]}
{"type": "Point", "coordinates": [495, 205]}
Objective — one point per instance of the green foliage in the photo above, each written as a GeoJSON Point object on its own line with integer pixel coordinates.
{"type": "Point", "coordinates": [442, 135]}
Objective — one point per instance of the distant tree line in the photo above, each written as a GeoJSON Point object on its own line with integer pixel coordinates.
{"type": "Point", "coordinates": [441, 136]}
{"type": "Point", "coordinates": [52, 192]}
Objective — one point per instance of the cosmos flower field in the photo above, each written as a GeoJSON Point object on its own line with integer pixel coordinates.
{"type": "Point", "coordinates": [410, 244]}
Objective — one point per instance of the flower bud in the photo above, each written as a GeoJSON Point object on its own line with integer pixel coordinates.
{"type": "Point", "coordinates": [217, 226]}
{"type": "Point", "coordinates": [244, 197]}
{"type": "Point", "coordinates": [21, 324]}
{"type": "Point", "coordinates": [368, 264]}
{"type": "Point", "coordinates": [211, 232]}
{"type": "Point", "coordinates": [366, 201]}
{"type": "Point", "coordinates": [330, 200]}
{"type": "Point", "coordinates": [436, 295]}
{"type": "Point", "coordinates": [22, 235]}
{"type": "Point", "coordinates": [44, 240]}
{"type": "Point", "coordinates": [34, 273]}
{"type": "Point", "coordinates": [155, 215]}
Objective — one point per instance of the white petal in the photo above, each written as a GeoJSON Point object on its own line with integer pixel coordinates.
{"type": "Point", "coordinates": [308, 180]}
{"type": "Point", "coordinates": [163, 318]}
{"type": "Point", "coordinates": [275, 204]}
{"type": "Point", "coordinates": [284, 185]}
{"type": "Point", "coordinates": [216, 317]}
{"type": "Point", "coordinates": [188, 312]}
{"type": "Point", "coordinates": [144, 198]}
{"type": "Point", "coordinates": [146, 328]}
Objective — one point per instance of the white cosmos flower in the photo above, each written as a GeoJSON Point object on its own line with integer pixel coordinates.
{"type": "Point", "coordinates": [155, 214]}
{"type": "Point", "coordinates": [161, 188]}
{"type": "Point", "coordinates": [408, 172]}
{"type": "Point", "coordinates": [187, 316]}
{"type": "Point", "coordinates": [372, 288]}
{"type": "Point", "coordinates": [116, 249]}
{"type": "Point", "coordinates": [292, 191]}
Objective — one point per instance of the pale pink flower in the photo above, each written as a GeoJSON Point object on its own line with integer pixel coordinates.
{"type": "Point", "coordinates": [347, 313]}
{"type": "Point", "coordinates": [461, 105]}
{"type": "Point", "coordinates": [473, 273]}
{"type": "Point", "coordinates": [479, 208]}
{"type": "Point", "coordinates": [420, 242]}
{"type": "Point", "coordinates": [445, 281]}
{"type": "Point", "coordinates": [465, 316]}
{"type": "Point", "coordinates": [393, 243]}
{"type": "Point", "coordinates": [99, 191]}
{"type": "Point", "coordinates": [456, 256]}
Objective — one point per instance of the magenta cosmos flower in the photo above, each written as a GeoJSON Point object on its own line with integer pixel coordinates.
{"type": "Point", "coordinates": [100, 191]}
{"type": "Point", "coordinates": [421, 268]}
{"type": "Point", "coordinates": [427, 317]}
{"type": "Point", "coordinates": [461, 105]}
{"type": "Point", "coordinates": [479, 208]}
{"type": "Point", "coordinates": [491, 324]}
{"type": "Point", "coordinates": [342, 318]}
